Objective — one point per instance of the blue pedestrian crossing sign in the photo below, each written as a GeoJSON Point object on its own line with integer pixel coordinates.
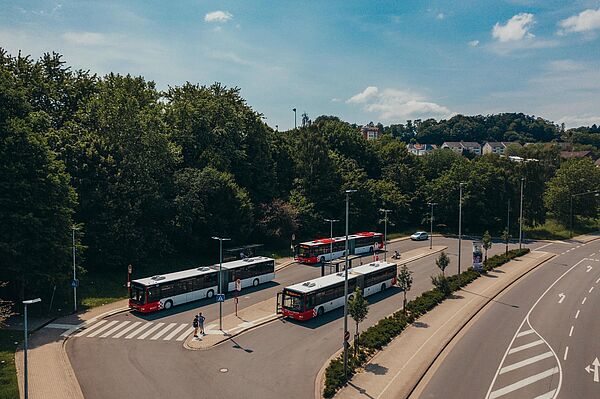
{"type": "Point", "coordinates": [220, 297]}
{"type": "Point", "coordinates": [74, 283]}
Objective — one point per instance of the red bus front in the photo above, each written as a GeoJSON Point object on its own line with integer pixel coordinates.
{"type": "Point", "coordinates": [139, 299]}
{"type": "Point", "coordinates": [307, 254]}
{"type": "Point", "coordinates": [294, 306]}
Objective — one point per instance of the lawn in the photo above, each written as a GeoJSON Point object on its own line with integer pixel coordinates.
{"type": "Point", "coordinates": [8, 373]}
{"type": "Point", "coordinates": [553, 230]}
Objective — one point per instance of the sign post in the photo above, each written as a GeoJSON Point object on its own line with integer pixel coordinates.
{"type": "Point", "coordinates": [238, 288]}
{"type": "Point", "coordinates": [129, 270]}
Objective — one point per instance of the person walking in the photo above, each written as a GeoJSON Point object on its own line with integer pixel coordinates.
{"type": "Point", "coordinates": [201, 323]}
{"type": "Point", "coordinates": [195, 325]}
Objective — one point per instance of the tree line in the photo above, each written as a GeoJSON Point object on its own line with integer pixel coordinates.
{"type": "Point", "coordinates": [145, 175]}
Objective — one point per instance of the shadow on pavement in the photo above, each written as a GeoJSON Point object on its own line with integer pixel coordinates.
{"type": "Point", "coordinates": [376, 369]}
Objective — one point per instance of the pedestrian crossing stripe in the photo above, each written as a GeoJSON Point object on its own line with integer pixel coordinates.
{"type": "Point", "coordinates": [127, 329]}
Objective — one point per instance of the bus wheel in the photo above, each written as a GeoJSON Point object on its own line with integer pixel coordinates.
{"type": "Point", "coordinates": [383, 287]}
{"type": "Point", "coordinates": [255, 282]}
{"type": "Point", "coordinates": [320, 311]}
{"type": "Point", "coordinates": [210, 294]}
{"type": "Point", "coordinates": [168, 305]}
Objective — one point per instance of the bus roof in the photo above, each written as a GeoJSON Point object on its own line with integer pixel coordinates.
{"type": "Point", "coordinates": [197, 271]}
{"type": "Point", "coordinates": [325, 281]}
{"type": "Point", "coordinates": [322, 241]}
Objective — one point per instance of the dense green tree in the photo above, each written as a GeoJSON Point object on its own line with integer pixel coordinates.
{"type": "Point", "coordinates": [358, 309]}
{"type": "Point", "coordinates": [405, 282]}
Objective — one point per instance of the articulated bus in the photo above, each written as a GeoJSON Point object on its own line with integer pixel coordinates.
{"type": "Point", "coordinates": [326, 249]}
{"type": "Point", "coordinates": [312, 298]}
{"type": "Point", "coordinates": [164, 291]}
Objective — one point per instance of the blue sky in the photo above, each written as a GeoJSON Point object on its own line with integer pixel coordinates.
{"type": "Point", "coordinates": [381, 61]}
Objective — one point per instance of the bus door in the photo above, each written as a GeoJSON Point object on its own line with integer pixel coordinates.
{"type": "Point", "coordinates": [279, 303]}
{"type": "Point", "coordinates": [351, 246]}
{"type": "Point", "coordinates": [360, 282]}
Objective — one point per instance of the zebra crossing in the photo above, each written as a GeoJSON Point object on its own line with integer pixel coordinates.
{"type": "Point", "coordinates": [130, 330]}
{"type": "Point", "coordinates": [529, 368]}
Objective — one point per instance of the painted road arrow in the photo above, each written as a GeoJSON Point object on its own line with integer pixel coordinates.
{"type": "Point", "coordinates": [562, 297]}
{"type": "Point", "coordinates": [589, 369]}
{"type": "Point", "coordinates": [589, 268]}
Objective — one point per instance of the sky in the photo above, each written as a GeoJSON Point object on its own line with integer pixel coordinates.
{"type": "Point", "coordinates": [380, 61]}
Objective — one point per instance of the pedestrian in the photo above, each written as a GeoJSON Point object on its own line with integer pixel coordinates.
{"type": "Point", "coordinates": [195, 325]}
{"type": "Point", "coordinates": [201, 323]}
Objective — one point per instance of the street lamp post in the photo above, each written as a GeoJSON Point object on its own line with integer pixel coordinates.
{"type": "Point", "coordinates": [331, 221]}
{"type": "Point", "coordinates": [295, 122]}
{"type": "Point", "coordinates": [521, 216]}
{"type": "Point", "coordinates": [432, 204]}
{"type": "Point", "coordinates": [460, 190]}
{"type": "Point", "coordinates": [507, 224]}
{"type": "Point", "coordinates": [26, 382]}
{"type": "Point", "coordinates": [221, 277]}
{"type": "Point", "coordinates": [346, 333]}
{"type": "Point", "coordinates": [385, 211]}
{"type": "Point", "coordinates": [74, 276]}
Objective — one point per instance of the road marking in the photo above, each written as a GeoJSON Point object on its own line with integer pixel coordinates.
{"type": "Point", "coordinates": [111, 331]}
{"type": "Point", "coordinates": [106, 326]}
{"type": "Point", "coordinates": [566, 353]}
{"type": "Point", "coordinates": [562, 297]}
{"type": "Point", "coordinates": [174, 332]}
{"type": "Point", "coordinates": [571, 332]}
{"type": "Point", "coordinates": [523, 383]}
{"type": "Point", "coordinates": [150, 331]}
{"type": "Point", "coordinates": [547, 395]}
{"type": "Point", "coordinates": [577, 314]}
{"type": "Point", "coordinates": [584, 299]}
{"type": "Point", "coordinates": [139, 330]}
{"type": "Point", "coordinates": [593, 254]}
{"type": "Point", "coordinates": [163, 331]}
{"type": "Point", "coordinates": [126, 330]}
{"type": "Point", "coordinates": [591, 289]}
{"type": "Point", "coordinates": [93, 327]}
{"type": "Point", "coordinates": [594, 368]}
{"type": "Point", "coordinates": [525, 362]}
{"type": "Point", "coordinates": [589, 268]}
{"type": "Point", "coordinates": [522, 333]}
{"type": "Point", "coordinates": [543, 246]}
{"type": "Point", "coordinates": [526, 346]}
{"type": "Point", "coordinates": [185, 334]}
{"type": "Point", "coordinates": [598, 281]}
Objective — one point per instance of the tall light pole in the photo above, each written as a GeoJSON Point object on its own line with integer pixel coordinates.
{"type": "Point", "coordinates": [460, 189]}
{"type": "Point", "coordinates": [221, 277]}
{"type": "Point", "coordinates": [346, 332]}
{"type": "Point", "coordinates": [295, 121]}
{"type": "Point", "coordinates": [331, 221]}
{"type": "Point", "coordinates": [521, 215]}
{"type": "Point", "coordinates": [74, 283]}
{"type": "Point", "coordinates": [385, 211]}
{"type": "Point", "coordinates": [432, 204]}
{"type": "Point", "coordinates": [26, 381]}
{"type": "Point", "coordinates": [507, 224]}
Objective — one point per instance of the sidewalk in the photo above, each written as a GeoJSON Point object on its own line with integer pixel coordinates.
{"type": "Point", "coordinates": [406, 359]}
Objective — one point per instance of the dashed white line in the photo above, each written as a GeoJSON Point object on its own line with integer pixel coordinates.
{"type": "Point", "coordinates": [591, 289]}
{"type": "Point", "coordinates": [584, 299]}
{"type": "Point", "coordinates": [526, 346]}
{"type": "Point", "coordinates": [523, 383]}
{"type": "Point", "coordinates": [527, 332]}
{"type": "Point", "coordinates": [525, 362]}
{"type": "Point", "coordinates": [598, 281]}
{"type": "Point", "coordinates": [566, 353]}
{"type": "Point", "coordinates": [577, 314]}
{"type": "Point", "coordinates": [571, 332]}
{"type": "Point", "coordinates": [547, 395]}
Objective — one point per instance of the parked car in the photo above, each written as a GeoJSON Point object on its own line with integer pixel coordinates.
{"type": "Point", "coordinates": [419, 236]}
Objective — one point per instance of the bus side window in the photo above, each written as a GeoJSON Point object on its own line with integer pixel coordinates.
{"type": "Point", "coordinates": [310, 301]}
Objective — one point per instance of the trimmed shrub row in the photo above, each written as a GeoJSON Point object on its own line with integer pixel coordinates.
{"type": "Point", "coordinates": [376, 337]}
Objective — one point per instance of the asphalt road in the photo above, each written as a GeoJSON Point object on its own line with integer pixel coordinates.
{"type": "Point", "coordinates": [535, 340]}
{"type": "Point", "coordinates": [280, 359]}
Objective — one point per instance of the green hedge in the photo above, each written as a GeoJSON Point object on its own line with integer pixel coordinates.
{"type": "Point", "coordinates": [376, 337]}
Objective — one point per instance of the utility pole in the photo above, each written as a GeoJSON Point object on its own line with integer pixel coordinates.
{"type": "Point", "coordinates": [460, 189]}
{"type": "Point", "coordinates": [295, 122]}
{"type": "Point", "coordinates": [432, 204]}
{"type": "Point", "coordinates": [221, 278]}
{"type": "Point", "coordinates": [26, 381]}
{"type": "Point", "coordinates": [521, 216]}
{"type": "Point", "coordinates": [385, 211]}
{"type": "Point", "coordinates": [346, 332]}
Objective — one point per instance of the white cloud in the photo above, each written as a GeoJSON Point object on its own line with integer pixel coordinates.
{"type": "Point", "coordinates": [440, 16]}
{"type": "Point", "coordinates": [565, 66]}
{"type": "Point", "coordinates": [515, 29]}
{"type": "Point", "coordinates": [474, 43]}
{"type": "Point", "coordinates": [85, 38]}
{"type": "Point", "coordinates": [393, 104]}
{"type": "Point", "coordinates": [579, 120]}
{"type": "Point", "coordinates": [218, 16]}
{"type": "Point", "coordinates": [584, 21]}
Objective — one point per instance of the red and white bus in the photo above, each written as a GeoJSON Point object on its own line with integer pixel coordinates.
{"type": "Point", "coordinates": [312, 298]}
{"type": "Point", "coordinates": [164, 291]}
{"type": "Point", "coordinates": [326, 249]}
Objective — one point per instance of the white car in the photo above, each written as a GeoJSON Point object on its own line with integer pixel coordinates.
{"type": "Point", "coordinates": [419, 236]}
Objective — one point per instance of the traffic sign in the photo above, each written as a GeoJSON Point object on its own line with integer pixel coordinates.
{"type": "Point", "coordinates": [74, 283]}
{"type": "Point", "coordinates": [347, 336]}
{"type": "Point", "coordinates": [220, 297]}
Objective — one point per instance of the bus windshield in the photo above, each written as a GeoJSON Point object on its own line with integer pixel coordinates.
{"type": "Point", "coordinates": [305, 251]}
{"type": "Point", "coordinates": [138, 293]}
{"type": "Point", "coordinates": [293, 301]}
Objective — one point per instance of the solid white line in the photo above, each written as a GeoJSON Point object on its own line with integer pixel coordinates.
{"type": "Point", "coordinates": [139, 330]}
{"type": "Point", "coordinates": [150, 331]}
{"type": "Point", "coordinates": [592, 254]}
{"type": "Point", "coordinates": [106, 326]}
{"type": "Point", "coordinates": [163, 331]}
{"type": "Point", "coordinates": [566, 352]}
{"type": "Point", "coordinates": [598, 281]}
{"type": "Point", "coordinates": [185, 334]}
{"type": "Point", "coordinates": [547, 395]}
{"type": "Point", "coordinates": [174, 332]}
{"type": "Point", "coordinates": [522, 333]}
{"type": "Point", "coordinates": [526, 346]}
{"type": "Point", "coordinates": [571, 332]}
{"type": "Point", "coordinates": [591, 289]}
{"type": "Point", "coordinates": [525, 362]}
{"type": "Point", "coordinates": [59, 326]}
{"type": "Point", "coordinates": [129, 328]}
{"type": "Point", "coordinates": [584, 299]}
{"type": "Point", "coordinates": [111, 331]}
{"type": "Point", "coordinates": [523, 383]}
{"type": "Point", "coordinates": [543, 246]}
{"type": "Point", "coordinates": [577, 314]}
{"type": "Point", "coordinates": [93, 327]}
